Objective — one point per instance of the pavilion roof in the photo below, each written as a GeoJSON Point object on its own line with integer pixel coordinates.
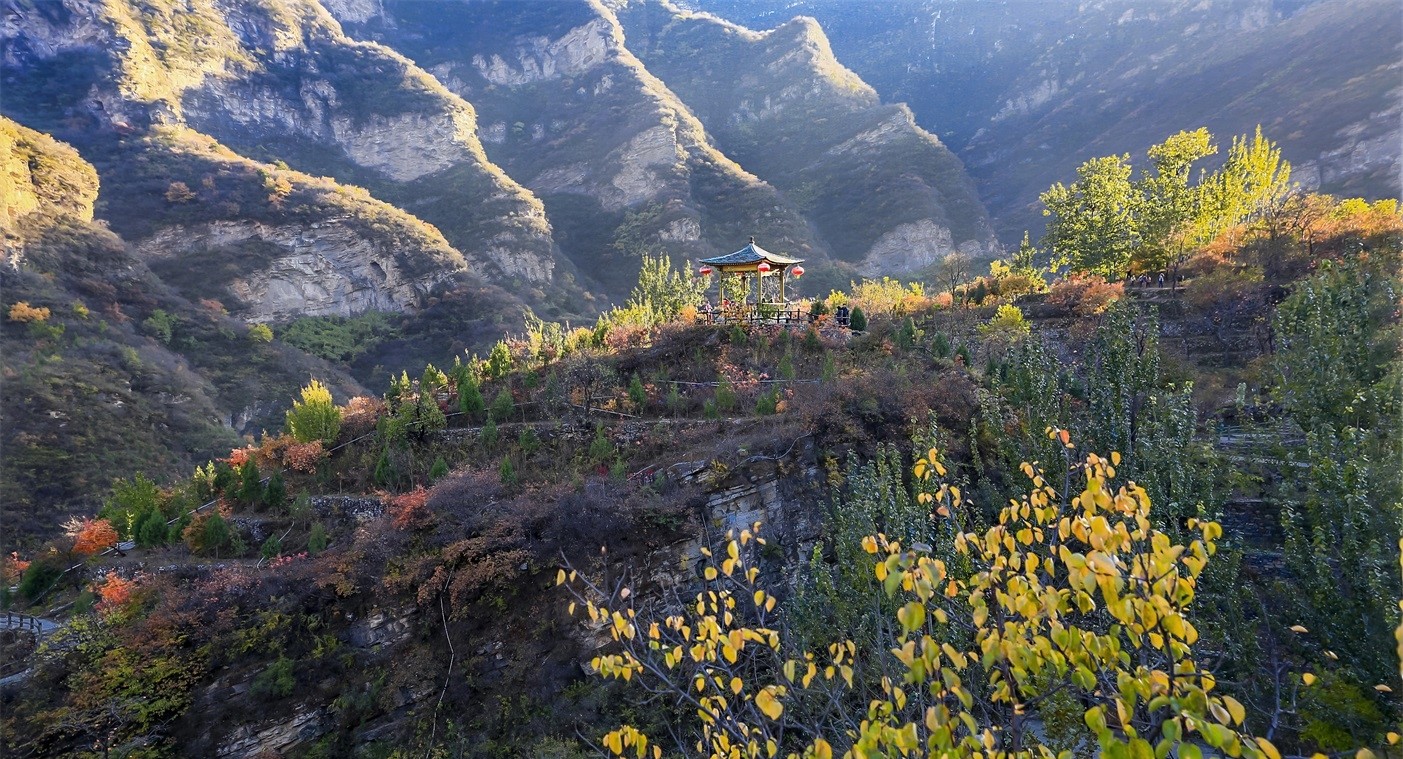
{"type": "Point", "coordinates": [751, 254]}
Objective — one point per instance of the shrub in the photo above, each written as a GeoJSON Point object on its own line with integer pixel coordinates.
{"type": "Point", "coordinates": [439, 469]}
{"type": "Point", "coordinates": [260, 333]}
{"type": "Point", "coordinates": [1007, 323]}
{"type": "Point", "coordinates": [600, 449]}
{"type": "Point", "coordinates": [507, 472]}
{"type": "Point", "coordinates": [39, 577]}
{"type": "Point", "coordinates": [275, 493]}
{"type": "Point", "coordinates": [24, 313]}
{"type": "Point", "coordinates": [315, 416]}
{"type": "Point", "coordinates": [502, 405]}
{"type": "Point", "coordinates": [858, 321]}
{"type": "Point", "coordinates": [160, 325]}
{"type": "Point", "coordinates": [767, 403]}
{"type": "Point", "coordinates": [1084, 294]}
{"type": "Point", "coordinates": [488, 436]}
{"type": "Point", "coordinates": [636, 393]}
{"type": "Point", "coordinates": [275, 681]}
{"type": "Point", "coordinates": [316, 539]}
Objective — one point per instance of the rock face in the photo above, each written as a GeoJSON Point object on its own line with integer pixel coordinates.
{"type": "Point", "coordinates": [1026, 91]}
{"type": "Point", "coordinates": [621, 163]}
{"type": "Point", "coordinates": [865, 174]}
{"type": "Point", "coordinates": [325, 269]}
{"type": "Point", "coordinates": [280, 79]}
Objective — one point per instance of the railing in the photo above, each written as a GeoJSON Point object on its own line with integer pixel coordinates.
{"type": "Point", "coordinates": [25, 623]}
{"type": "Point", "coordinates": [750, 313]}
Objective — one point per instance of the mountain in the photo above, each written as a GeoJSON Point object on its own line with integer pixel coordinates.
{"type": "Point", "coordinates": [108, 370]}
{"type": "Point", "coordinates": [622, 165]}
{"type": "Point", "coordinates": [1025, 90]}
{"type": "Point", "coordinates": [886, 195]}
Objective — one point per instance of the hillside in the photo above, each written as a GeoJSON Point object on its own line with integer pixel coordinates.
{"type": "Point", "coordinates": [108, 370]}
{"type": "Point", "coordinates": [621, 164]}
{"type": "Point", "coordinates": [387, 586]}
{"type": "Point", "coordinates": [1021, 89]}
{"type": "Point", "coordinates": [886, 195]}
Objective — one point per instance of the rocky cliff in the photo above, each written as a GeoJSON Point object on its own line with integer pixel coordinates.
{"type": "Point", "coordinates": [1025, 91]}
{"type": "Point", "coordinates": [622, 164]}
{"type": "Point", "coordinates": [886, 196]}
{"type": "Point", "coordinates": [279, 80]}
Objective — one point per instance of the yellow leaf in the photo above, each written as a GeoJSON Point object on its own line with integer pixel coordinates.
{"type": "Point", "coordinates": [736, 685]}
{"type": "Point", "coordinates": [560, 577]}
{"type": "Point", "coordinates": [1383, 689]}
{"type": "Point", "coordinates": [1299, 629]}
{"type": "Point", "coordinates": [1308, 678]}
{"type": "Point", "coordinates": [768, 704]}
{"type": "Point", "coordinates": [1235, 709]}
{"type": "Point", "coordinates": [1392, 738]}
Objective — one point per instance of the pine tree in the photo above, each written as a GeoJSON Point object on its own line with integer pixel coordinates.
{"type": "Point", "coordinates": [438, 470]}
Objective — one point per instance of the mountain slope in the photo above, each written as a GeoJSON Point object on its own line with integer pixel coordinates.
{"type": "Point", "coordinates": [887, 196]}
{"type": "Point", "coordinates": [622, 165]}
{"type": "Point", "coordinates": [1025, 90]}
{"type": "Point", "coordinates": [278, 80]}
{"type": "Point", "coordinates": [107, 370]}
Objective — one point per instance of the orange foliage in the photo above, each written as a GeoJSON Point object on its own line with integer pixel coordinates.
{"type": "Point", "coordinates": [13, 567]}
{"type": "Point", "coordinates": [1084, 294]}
{"type": "Point", "coordinates": [272, 449]}
{"type": "Point", "coordinates": [410, 510]}
{"type": "Point", "coordinates": [304, 457]}
{"type": "Point", "coordinates": [360, 414]}
{"type": "Point", "coordinates": [239, 456]}
{"type": "Point", "coordinates": [94, 535]}
{"type": "Point", "coordinates": [113, 594]}
{"type": "Point", "coordinates": [23, 312]}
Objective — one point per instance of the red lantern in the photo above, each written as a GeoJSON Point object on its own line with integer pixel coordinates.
{"type": "Point", "coordinates": [797, 271]}
{"type": "Point", "coordinates": [763, 267]}
{"type": "Point", "coordinates": [705, 271]}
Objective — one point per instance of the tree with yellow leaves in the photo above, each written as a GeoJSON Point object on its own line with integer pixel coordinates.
{"type": "Point", "coordinates": [1073, 596]}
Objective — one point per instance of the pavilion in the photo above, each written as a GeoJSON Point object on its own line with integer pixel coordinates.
{"type": "Point", "coordinates": [754, 261]}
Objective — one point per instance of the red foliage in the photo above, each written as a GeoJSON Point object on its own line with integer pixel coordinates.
{"type": "Point", "coordinates": [1084, 294]}
{"type": "Point", "coordinates": [13, 567]}
{"type": "Point", "coordinates": [359, 415]}
{"type": "Point", "coordinates": [272, 449]}
{"type": "Point", "coordinates": [113, 594]}
{"type": "Point", "coordinates": [94, 535]}
{"type": "Point", "coordinates": [238, 457]}
{"type": "Point", "coordinates": [410, 510]}
{"type": "Point", "coordinates": [304, 457]}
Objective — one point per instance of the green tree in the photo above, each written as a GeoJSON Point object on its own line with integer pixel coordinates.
{"type": "Point", "coordinates": [152, 532]}
{"type": "Point", "coordinates": [271, 548]}
{"type": "Point", "coordinates": [502, 405]}
{"type": "Point", "coordinates": [507, 472]}
{"type": "Point", "coordinates": [260, 333]}
{"type": "Point", "coordinates": [665, 291]}
{"type": "Point", "coordinates": [1091, 223]}
{"type": "Point", "coordinates": [858, 320]}
{"type": "Point", "coordinates": [275, 493]}
{"type": "Point", "coordinates": [1170, 207]}
{"type": "Point", "coordinates": [438, 470]}
{"type": "Point", "coordinates": [215, 535]}
{"type": "Point", "coordinates": [315, 416]}
{"type": "Point", "coordinates": [1253, 180]}
{"type": "Point", "coordinates": [316, 539]}
{"type": "Point", "coordinates": [470, 400]}
{"type": "Point", "coordinates": [637, 395]}
{"type": "Point", "coordinates": [250, 491]}
{"type": "Point", "coordinates": [488, 436]}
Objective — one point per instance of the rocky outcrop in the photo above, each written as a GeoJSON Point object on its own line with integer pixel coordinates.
{"type": "Point", "coordinates": [568, 110]}
{"type": "Point", "coordinates": [249, 741]}
{"type": "Point", "coordinates": [866, 174]}
{"type": "Point", "coordinates": [319, 269]}
{"type": "Point", "coordinates": [537, 58]}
